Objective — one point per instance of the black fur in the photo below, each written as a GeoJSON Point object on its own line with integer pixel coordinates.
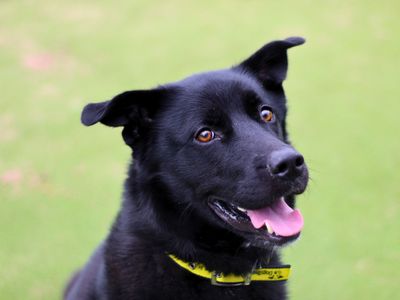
{"type": "Point", "coordinates": [173, 176]}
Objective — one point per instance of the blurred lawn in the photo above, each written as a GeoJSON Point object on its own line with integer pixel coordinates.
{"type": "Point", "coordinates": [57, 203]}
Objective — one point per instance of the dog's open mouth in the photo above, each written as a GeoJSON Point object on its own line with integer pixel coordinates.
{"type": "Point", "coordinates": [277, 222]}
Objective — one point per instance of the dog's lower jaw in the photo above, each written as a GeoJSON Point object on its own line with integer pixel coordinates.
{"type": "Point", "coordinates": [217, 249]}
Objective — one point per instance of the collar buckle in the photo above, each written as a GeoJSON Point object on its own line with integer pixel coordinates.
{"type": "Point", "coordinates": [215, 275]}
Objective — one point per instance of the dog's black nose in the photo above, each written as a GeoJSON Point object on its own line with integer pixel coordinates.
{"type": "Point", "coordinates": [286, 163]}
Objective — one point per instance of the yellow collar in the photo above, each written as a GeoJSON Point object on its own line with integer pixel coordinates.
{"type": "Point", "coordinates": [278, 273]}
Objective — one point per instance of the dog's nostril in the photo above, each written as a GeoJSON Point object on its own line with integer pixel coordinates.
{"type": "Point", "coordinates": [299, 161]}
{"type": "Point", "coordinates": [281, 168]}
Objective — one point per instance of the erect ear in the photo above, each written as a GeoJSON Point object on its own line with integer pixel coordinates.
{"type": "Point", "coordinates": [269, 64]}
{"type": "Point", "coordinates": [132, 109]}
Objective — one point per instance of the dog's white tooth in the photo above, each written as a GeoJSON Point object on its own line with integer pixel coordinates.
{"type": "Point", "coordinates": [269, 228]}
{"type": "Point", "coordinates": [242, 209]}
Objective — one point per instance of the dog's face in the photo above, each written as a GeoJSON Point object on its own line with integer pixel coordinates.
{"type": "Point", "coordinates": [217, 141]}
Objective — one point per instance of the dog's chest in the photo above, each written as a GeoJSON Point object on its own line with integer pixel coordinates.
{"type": "Point", "coordinates": [186, 287]}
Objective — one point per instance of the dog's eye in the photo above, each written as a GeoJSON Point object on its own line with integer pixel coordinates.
{"type": "Point", "coordinates": [266, 114]}
{"type": "Point", "coordinates": [205, 135]}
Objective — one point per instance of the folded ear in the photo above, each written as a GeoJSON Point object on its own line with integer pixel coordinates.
{"type": "Point", "coordinates": [269, 64]}
{"type": "Point", "coordinates": [132, 109]}
{"type": "Point", "coordinates": [124, 108]}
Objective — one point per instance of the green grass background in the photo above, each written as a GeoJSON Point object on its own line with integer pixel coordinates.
{"type": "Point", "coordinates": [57, 203]}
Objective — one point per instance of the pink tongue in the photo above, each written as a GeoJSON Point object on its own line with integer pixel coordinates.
{"type": "Point", "coordinates": [283, 220]}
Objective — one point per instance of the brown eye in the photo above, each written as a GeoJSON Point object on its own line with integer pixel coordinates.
{"type": "Point", "coordinates": [266, 114]}
{"type": "Point", "coordinates": [205, 136]}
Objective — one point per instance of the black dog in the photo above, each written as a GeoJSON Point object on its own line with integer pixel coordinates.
{"type": "Point", "coordinates": [206, 199]}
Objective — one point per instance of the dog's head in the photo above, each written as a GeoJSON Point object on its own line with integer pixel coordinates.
{"type": "Point", "coordinates": [217, 144]}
